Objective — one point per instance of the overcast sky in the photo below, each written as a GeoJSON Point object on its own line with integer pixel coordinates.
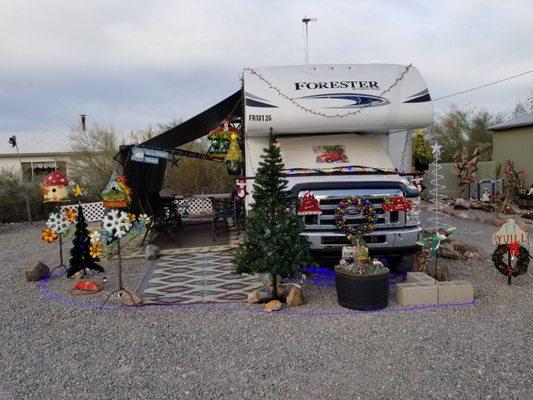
{"type": "Point", "coordinates": [127, 64]}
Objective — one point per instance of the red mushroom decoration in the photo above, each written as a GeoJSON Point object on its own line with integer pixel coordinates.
{"type": "Point", "coordinates": [54, 188]}
{"type": "Point", "coordinates": [309, 205]}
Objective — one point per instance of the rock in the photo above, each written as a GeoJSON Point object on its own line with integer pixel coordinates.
{"type": "Point", "coordinates": [468, 247]}
{"type": "Point", "coordinates": [130, 298]}
{"type": "Point", "coordinates": [151, 252]}
{"type": "Point", "coordinates": [274, 305]}
{"type": "Point", "coordinates": [295, 297]}
{"type": "Point", "coordinates": [461, 214]}
{"type": "Point", "coordinates": [473, 255]}
{"type": "Point", "coordinates": [460, 204]}
{"type": "Point", "coordinates": [37, 271]}
{"type": "Point", "coordinates": [479, 205]}
{"type": "Point", "coordinates": [446, 250]}
{"type": "Point", "coordinates": [257, 295]}
{"type": "Point", "coordinates": [494, 221]}
{"type": "Point", "coordinates": [528, 215]}
{"type": "Point", "coordinates": [442, 273]}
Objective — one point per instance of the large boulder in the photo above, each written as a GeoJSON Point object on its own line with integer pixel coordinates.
{"type": "Point", "coordinates": [295, 297]}
{"type": "Point", "coordinates": [257, 295]}
{"type": "Point", "coordinates": [151, 252]}
{"type": "Point", "coordinates": [460, 204]}
{"type": "Point", "coordinates": [37, 271]}
{"type": "Point", "coordinates": [446, 250]}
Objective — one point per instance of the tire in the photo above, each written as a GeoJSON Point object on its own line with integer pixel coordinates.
{"type": "Point", "coordinates": [402, 263]}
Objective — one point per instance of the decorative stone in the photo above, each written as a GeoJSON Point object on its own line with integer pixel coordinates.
{"type": "Point", "coordinates": [479, 205]}
{"type": "Point", "coordinates": [446, 250]}
{"type": "Point", "coordinates": [460, 204]}
{"type": "Point", "coordinates": [413, 294]}
{"type": "Point", "coordinates": [151, 252]}
{"type": "Point", "coordinates": [455, 292]}
{"type": "Point", "coordinates": [37, 271]}
{"type": "Point", "coordinates": [274, 305]}
{"type": "Point", "coordinates": [256, 296]}
{"type": "Point", "coordinates": [295, 297]}
{"type": "Point", "coordinates": [130, 298]}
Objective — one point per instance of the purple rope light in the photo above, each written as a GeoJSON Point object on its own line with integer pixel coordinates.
{"type": "Point", "coordinates": [228, 308]}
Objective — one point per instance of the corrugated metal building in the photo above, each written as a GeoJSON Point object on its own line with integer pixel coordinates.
{"type": "Point", "coordinates": [513, 140]}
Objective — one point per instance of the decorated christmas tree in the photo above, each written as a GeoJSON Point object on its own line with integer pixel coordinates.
{"type": "Point", "coordinates": [234, 151]}
{"type": "Point", "coordinates": [80, 252]}
{"type": "Point", "coordinates": [273, 242]}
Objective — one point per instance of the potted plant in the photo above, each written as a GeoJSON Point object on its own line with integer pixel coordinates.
{"type": "Point", "coordinates": [422, 152]}
{"type": "Point", "coordinates": [362, 283]}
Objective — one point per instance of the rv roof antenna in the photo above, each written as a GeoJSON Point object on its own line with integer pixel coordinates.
{"type": "Point", "coordinates": [82, 121]}
{"type": "Point", "coordinates": [306, 21]}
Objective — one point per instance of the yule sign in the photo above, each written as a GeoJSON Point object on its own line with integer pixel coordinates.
{"type": "Point", "coordinates": [509, 233]}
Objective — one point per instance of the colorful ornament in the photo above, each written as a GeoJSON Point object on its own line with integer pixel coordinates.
{"type": "Point", "coordinates": [355, 205]}
{"type": "Point", "coordinates": [438, 236]}
{"type": "Point", "coordinates": [116, 193]}
{"type": "Point", "coordinates": [220, 139]}
{"type": "Point", "coordinates": [95, 250]}
{"type": "Point", "coordinates": [54, 188]}
{"type": "Point", "coordinates": [145, 219]}
{"type": "Point", "coordinates": [397, 203]}
{"type": "Point", "coordinates": [49, 235]}
{"type": "Point", "coordinates": [94, 236]}
{"type": "Point", "coordinates": [309, 205]}
{"type": "Point", "coordinates": [117, 223]}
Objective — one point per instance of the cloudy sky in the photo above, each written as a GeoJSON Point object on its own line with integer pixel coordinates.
{"type": "Point", "coordinates": [127, 64]}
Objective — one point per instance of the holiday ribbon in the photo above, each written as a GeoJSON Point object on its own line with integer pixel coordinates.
{"type": "Point", "coordinates": [514, 249]}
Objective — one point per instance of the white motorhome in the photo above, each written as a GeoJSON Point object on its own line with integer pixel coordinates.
{"type": "Point", "coordinates": [343, 130]}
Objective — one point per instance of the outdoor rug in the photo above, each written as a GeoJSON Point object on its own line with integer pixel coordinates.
{"type": "Point", "coordinates": [196, 278]}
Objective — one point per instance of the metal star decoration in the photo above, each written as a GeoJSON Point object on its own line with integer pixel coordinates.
{"type": "Point", "coordinates": [77, 191]}
{"type": "Point", "coordinates": [436, 149]}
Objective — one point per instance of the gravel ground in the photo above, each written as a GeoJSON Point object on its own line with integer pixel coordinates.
{"type": "Point", "coordinates": [51, 350]}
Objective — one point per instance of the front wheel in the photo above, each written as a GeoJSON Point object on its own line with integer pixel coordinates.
{"type": "Point", "coordinates": [402, 263]}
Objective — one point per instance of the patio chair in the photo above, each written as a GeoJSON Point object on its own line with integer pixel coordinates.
{"type": "Point", "coordinates": [164, 215]}
{"type": "Point", "coordinates": [223, 209]}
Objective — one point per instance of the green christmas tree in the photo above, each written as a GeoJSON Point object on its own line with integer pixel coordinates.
{"type": "Point", "coordinates": [273, 242]}
{"type": "Point", "coordinates": [80, 255]}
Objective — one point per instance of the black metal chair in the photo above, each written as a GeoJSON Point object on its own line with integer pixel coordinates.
{"type": "Point", "coordinates": [164, 215]}
{"type": "Point", "coordinates": [223, 209]}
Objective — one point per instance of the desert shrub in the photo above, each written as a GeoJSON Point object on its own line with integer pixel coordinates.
{"type": "Point", "coordinates": [12, 199]}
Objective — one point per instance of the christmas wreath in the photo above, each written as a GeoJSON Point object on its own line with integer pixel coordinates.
{"type": "Point", "coordinates": [362, 207]}
{"type": "Point", "coordinates": [522, 260]}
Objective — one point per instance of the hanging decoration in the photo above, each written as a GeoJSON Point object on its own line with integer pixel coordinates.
{"type": "Point", "coordinates": [355, 206]}
{"type": "Point", "coordinates": [309, 205]}
{"type": "Point", "coordinates": [116, 193]}
{"type": "Point", "coordinates": [54, 188]}
{"type": "Point", "coordinates": [508, 241]}
{"type": "Point", "coordinates": [220, 139]}
{"type": "Point", "coordinates": [397, 203]}
{"type": "Point", "coordinates": [234, 157]}
{"type": "Point", "coordinates": [241, 188]}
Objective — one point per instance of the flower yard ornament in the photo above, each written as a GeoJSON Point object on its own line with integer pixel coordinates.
{"type": "Point", "coordinates": [70, 214]}
{"type": "Point", "coordinates": [49, 235]}
{"type": "Point", "coordinates": [96, 250]}
{"type": "Point", "coordinates": [116, 193]}
{"type": "Point", "coordinates": [54, 188]}
{"type": "Point", "coordinates": [309, 205]}
{"type": "Point", "coordinates": [145, 219]}
{"type": "Point", "coordinates": [57, 222]}
{"type": "Point", "coordinates": [94, 236]}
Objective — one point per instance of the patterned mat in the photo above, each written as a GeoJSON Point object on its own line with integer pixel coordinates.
{"type": "Point", "coordinates": [196, 278]}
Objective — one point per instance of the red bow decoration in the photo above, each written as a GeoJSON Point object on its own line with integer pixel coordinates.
{"type": "Point", "coordinates": [514, 249]}
{"type": "Point", "coordinates": [397, 203]}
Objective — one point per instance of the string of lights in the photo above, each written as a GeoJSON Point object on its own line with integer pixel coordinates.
{"type": "Point", "coordinates": [322, 114]}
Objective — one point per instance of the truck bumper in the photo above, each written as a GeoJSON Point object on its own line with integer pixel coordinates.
{"type": "Point", "coordinates": [386, 241]}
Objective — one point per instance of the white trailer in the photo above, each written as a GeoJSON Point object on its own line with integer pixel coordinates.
{"type": "Point", "coordinates": [343, 130]}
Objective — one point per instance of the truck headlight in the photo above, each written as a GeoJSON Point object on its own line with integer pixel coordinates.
{"type": "Point", "coordinates": [412, 217]}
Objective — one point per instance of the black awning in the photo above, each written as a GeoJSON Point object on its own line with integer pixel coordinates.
{"type": "Point", "coordinates": [198, 125]}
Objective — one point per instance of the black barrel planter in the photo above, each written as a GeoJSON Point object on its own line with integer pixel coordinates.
{"type": "Point", "coordinates": [362, 292]}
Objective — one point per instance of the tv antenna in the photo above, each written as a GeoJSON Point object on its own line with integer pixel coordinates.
{"type": "Point", "coordinates": [306, 21]}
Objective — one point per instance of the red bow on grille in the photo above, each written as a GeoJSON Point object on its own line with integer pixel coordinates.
{"type": "Point", "coordinates": [514, 248]}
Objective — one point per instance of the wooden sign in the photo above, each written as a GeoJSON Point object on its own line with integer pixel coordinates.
{"type": "Point", "coordinates": [115, 204]}
{"type": "Point", "coordinates": [509, 233]}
